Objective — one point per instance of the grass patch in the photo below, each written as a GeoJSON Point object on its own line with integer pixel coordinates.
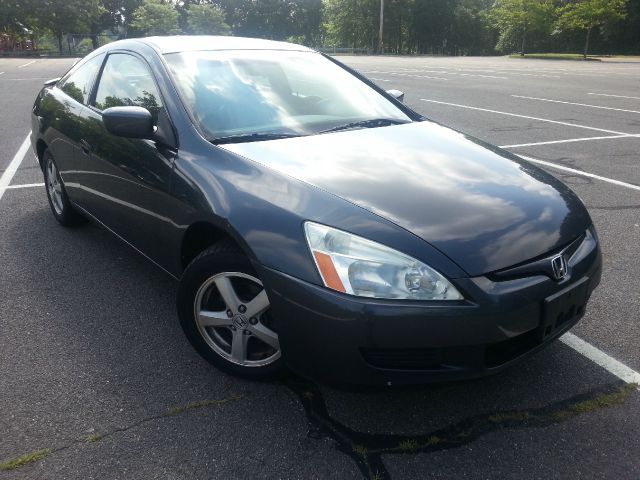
{"type": "Point", "coordinates": [509, 417]}
{"type": "Point", "coordinates": [94, 437]}
{"type": "Point", "coordinates": [555, 56]}
{"type": "Point", "coordinates": [601, 401]}
{"type": "Point", "coordinates": [408, 445]}
{"type": "Point", "coordinates": [200, 404]}
{"type": "Point", "coordinates": [17, 462]}
{"type": "Point", "coordinates": [606, 400]}
{"type": "Point", "coordinates": [360, 450]}
{"type": "Point", "coordinates": [434, 440]}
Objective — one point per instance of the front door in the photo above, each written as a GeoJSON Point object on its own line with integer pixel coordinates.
{"type": "Point", "coordinates": [127, 181]}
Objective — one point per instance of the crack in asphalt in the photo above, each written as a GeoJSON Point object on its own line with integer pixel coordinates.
{"type": "Point", "coordinates": [31, 457]}
{"type": "Point", "coordinates": [366, 449]}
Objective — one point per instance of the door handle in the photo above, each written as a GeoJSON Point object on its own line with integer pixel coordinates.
{"type": "Point", "coordinates": [86, 148]}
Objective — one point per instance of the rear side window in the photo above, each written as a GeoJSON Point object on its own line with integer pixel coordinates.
{"type": "Point", "coordinates": [79, 82]}
{"type": "Point", "coordinates": [127, 81]}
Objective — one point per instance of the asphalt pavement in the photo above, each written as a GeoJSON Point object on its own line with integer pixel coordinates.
{"type": "Point", "coordinates": [98, 381]}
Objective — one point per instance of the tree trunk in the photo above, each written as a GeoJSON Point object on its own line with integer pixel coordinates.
{"type": "Point", "coordinates": [524, 39]}
{"type": "Point", "coordinates": [586, 43]}
{"type": "Point", "coordinates": [59, 36]}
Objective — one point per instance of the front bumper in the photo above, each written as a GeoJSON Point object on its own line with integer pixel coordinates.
{"type": "Point", "coordinates": [342, 339]}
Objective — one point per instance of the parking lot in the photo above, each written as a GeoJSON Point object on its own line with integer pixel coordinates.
{"type": "Point", "coordinates": [98, 381]}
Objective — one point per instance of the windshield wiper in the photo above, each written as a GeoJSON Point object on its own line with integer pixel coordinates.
{"type": "Point", "coordinates": [372, 123]}
{"type": "Point", "coordinates": [252, 137]}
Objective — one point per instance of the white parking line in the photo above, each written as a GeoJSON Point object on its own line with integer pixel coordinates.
{"type": "Point", "coordinates": [580, 172]}
{"type": "Point", "coordinates": [24, 79]}
{"type": "Point", "coordinates": [1, 73]}
{"type": "Point", "coordinates": [570, 140]}
{"type": "Point", "coordinates": [25, 185]}
{"type": "Point", "coordinates": [8, 174]}
{"type": "Point", "coordinates": [597, 356]}
{"type": "Point", "coordinates": [526, 116]}
{"type": "Point", "coordinates": [404, 75]}
{"type": "Point", "coordinates": [616, 96]}
{"type": "Point", "coordinates": [27, 64]}
{"type": "Point", "coordinates": [442, 72]}
{"type": "Point", "coordinates": [574, 103]}
{"type": "Point", "coordinates": [467, 74]}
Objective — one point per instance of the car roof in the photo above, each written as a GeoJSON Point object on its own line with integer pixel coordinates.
{"type": "Point", "coordinates": [185, 43]}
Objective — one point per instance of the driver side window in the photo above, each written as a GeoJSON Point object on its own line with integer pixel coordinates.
{"type": "Point", "coordinates": [127, 81]}
{"type": "Point", "coordinates": [77, 84]}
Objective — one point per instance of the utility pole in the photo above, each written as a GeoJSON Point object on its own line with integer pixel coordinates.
{"type": "Point", "coordinates": [380, 39]}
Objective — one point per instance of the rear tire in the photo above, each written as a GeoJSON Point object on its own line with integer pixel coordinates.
{"type": "Point", "coordinates": [62, 209]}
{"type": "Point", "coordinates": [224, 312]}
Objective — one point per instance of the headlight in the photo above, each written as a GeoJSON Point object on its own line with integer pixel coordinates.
{"type": "Point", "coordinates": [351, 264]}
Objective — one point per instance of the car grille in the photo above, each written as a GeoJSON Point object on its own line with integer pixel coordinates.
{"type": "Point", "coordinates": [404, 358]}
{"type": "Point", "coordinates": [476, 357]}
{"type": "Point", "coordinates": [536, 266]}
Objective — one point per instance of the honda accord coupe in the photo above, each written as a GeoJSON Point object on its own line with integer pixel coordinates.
{"type": "Point", "coordinates": [313, 220]}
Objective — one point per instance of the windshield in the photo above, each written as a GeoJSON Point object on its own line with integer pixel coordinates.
{"type": "Point", "coordinates": [261, 93]}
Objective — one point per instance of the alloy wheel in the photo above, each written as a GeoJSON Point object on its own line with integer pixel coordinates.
{"type": "Point", "coordinates": [232, 315]}
{"type": "Point", "coordinates": [54, 187]}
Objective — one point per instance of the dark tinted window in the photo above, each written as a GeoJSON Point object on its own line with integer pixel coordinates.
{"type": "Point", "coordinates": [77, 84]}
{"type": "Point", "coordinates": [127, 81]}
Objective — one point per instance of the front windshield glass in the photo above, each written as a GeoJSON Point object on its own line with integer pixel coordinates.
{"type": "Point", "coordinates": [264, 92]}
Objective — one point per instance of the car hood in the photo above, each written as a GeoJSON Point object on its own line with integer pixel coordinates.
{"type": "Point", "coordinates": [484, 208]}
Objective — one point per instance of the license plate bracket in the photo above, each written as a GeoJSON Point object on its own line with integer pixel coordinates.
{"type": "Point", "coordinates": [563, 308]}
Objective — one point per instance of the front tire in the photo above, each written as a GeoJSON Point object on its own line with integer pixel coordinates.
{"type": "Point", "coordinates": [225, 313]}
{"type": "Point", "coordinates": [62, 209]}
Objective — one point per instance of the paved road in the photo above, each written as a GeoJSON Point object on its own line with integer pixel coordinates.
{"type": "Point", "coordinates": [94, 367]}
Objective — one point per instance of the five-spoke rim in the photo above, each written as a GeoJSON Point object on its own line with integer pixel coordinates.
{"type": "Point", "coordinates": [231, 312]}
{"type": "Point", "coordinates": [54, 187]}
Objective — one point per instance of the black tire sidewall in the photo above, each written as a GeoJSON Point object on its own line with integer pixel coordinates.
{"type": "Point", "coordinates": [200, 270]}
{"type": "Point", "coordinates": [68, 217]}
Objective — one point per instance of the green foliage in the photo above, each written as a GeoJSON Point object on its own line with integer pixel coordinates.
{"type": "Point", "coordinates": [207, 20]}
{"type": "Point", "coordinates": [65, 16]}
{"type": "Point", "coordinates": [155, 17]}
{"type": "Point", "coordinates": [274, 19]}
{"type": "Point", "coordinates": [410, 26]}
{"type": "Point", "coordinates": [121, 11]}
{"type": "Point", "coordinates": [13, 15]}
{"type": "Point", "coordinates": [517, 20]}
{"type": "Point", "coordinates": [350, 23]}
{"type": "Point", "coordinates": [589, 14]}
{"type": "Point", "coordinates": [585, 14]}
{"type": "Point", "coordinates": [454, 27]}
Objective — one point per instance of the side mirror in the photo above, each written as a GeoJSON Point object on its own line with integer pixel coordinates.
{"type": "Point", "coordinates": [130, 122]}
{"type": "Point", "coordinates": [397, 94]}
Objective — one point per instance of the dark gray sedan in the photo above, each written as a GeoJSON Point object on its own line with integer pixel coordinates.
{"type": "Point", "coordinates": [312, 219]}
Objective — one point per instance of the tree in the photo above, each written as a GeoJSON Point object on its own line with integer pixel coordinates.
{"type": "Point", "coordinates": [589, 14]}
{"type": "Point", "coordinates": [207, 20]}
{"type": "Point", "coordinates": [352, 23]}
{"type": "Point", "coordinates": [66, 16]}
{"type": "Point", "coordinates": [154, 17]}
{"type": "Point", "coordinates": [520, 19]}
{"type": "Point", "coordinates": [306, 21]}
{"type": "Point", "coordinates": [16, 20]}
{"type": "Point", "coordinates": [121, 12]}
